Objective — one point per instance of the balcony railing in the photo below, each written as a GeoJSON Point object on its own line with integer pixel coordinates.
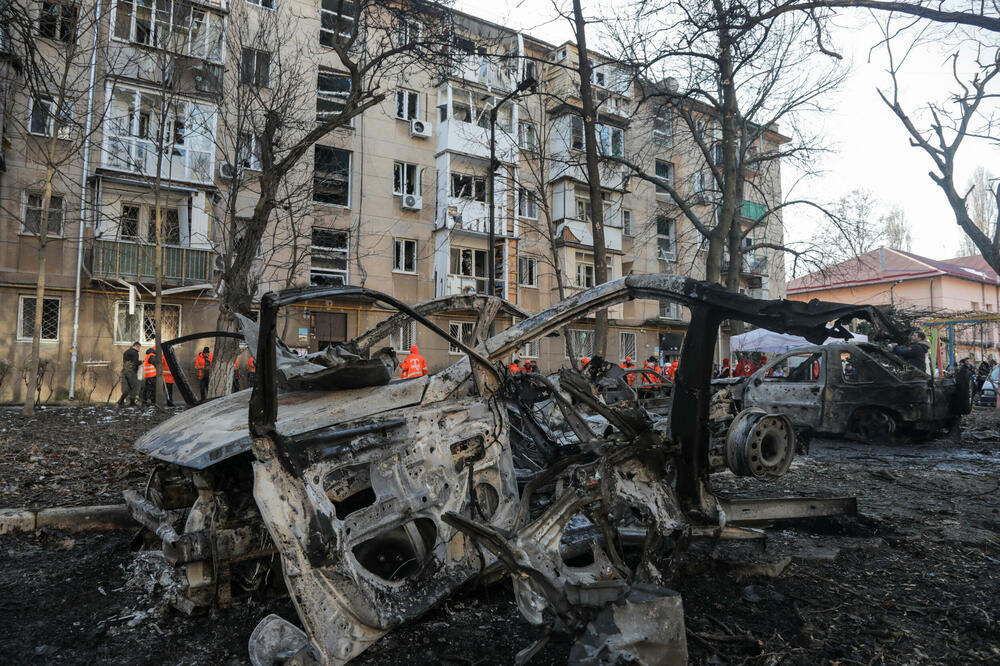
{"type": "Point", "coordinates": [128, 260]}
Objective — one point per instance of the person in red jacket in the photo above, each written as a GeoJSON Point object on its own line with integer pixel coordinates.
{"type": "Point", "coordinates": [413, 365]}
{"type": "Point", "coordinates": [650, 379]}
{"type": "Point", "coordinates": [251, 371]}
{"type": "Point", "coordinates": [168, 382]}
{"type": "Point", "coordinates": [203, 364]}
{"type": "Point", "coordinates": [626, 365]}
{"type": "Point", "coordinates": [148, 395]}
{"type": "Point", "coordinates": [583, 362]}
{"type": "Point", "coordinates": [514, 366]}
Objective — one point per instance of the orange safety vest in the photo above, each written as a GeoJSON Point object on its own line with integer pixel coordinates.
{"type": "Point", "coordinates": [673, 370]}
{"type": "Point", "coordinates": [251, 366]}
{"type": "Point", "coordinates": [168, 377]}
{"type": "Point", "coordinates": [413, 365]}
{"type": "Point", "coordinates": [148, 369]}
{"type": "Point", "coordinates": [583, 362]}
{"type": "Point", "coordinates": [629, 378]}
{"type": "Point", "coordinates": [201, 365]}
{"type": "Point", "coordinates": [514, 368]}
{"type": "Point", "coordinates": [650, 378]}
{"type": "Point", "coordinates": [236, 365]}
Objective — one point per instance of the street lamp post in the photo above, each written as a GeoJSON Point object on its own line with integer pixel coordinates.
{"type": "Point", "coordinates": [491, 253]}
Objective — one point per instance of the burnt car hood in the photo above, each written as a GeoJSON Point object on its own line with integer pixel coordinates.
{"type": "Point", "coordinates": [216, 430]}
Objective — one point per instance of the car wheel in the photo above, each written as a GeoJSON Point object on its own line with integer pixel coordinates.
{"type": "Point", "coordinates": [872, 424]}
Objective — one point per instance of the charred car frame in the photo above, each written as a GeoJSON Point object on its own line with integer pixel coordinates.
{"type": "Point", "coordinates": [381, 496]}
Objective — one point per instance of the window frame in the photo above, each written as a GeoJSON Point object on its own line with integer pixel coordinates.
{"type": "Point", "coordinates": [346, 251]}
{"type": "Point", "coordinates": [60, 20]}
{"type": "Point", "coordinates": [404, 179]}
{"type": "Point", "coordinates": [670, 178]}
{"type": "Point", "coordinates": [215, 54]}
{"type": "Point", "coordinates": [332, 97]}
{"type": "Point", "coordinates": [627, 228]}
{"type": "Point", "coordinates": [345, 17]}
{"type": "Point", "coordinates": [670, 255]}
{"type": "Point", "coordinates": [249, 155]}
{"type": "Point", "coordinates": [20, 337]}
{"type": "Point", "coordinates": [23, 229]}
{"type": "Point", "coordinates": [663, 136]}
{"type": "Point", "coordinates": [576, 334]}
{"type": "Point", "coordinates": [527, 203]}
{"type": "Point", "coordinates": [407, 95]}
{"type": "Point", "coordinates": [140, 310]}
{"type": "Point", "coordinates": [65, 132]}
{"type": "Point", "coordinates": [403, 348]}
{"type": "Point", "coordinates": [527, 129]}
{"type": "Point", "coordinates": [531, 349]}
{"type": "Point", "coordinates": [622, 353]}
{"type": "Point", "coordinates": [396, 255]}
{"type": "Point", "coordinates": [532, 263]}
{"type": "Point", "coordinates": [253, 77]}
{"type": "Point", "coordinates": [468, 340]}
{"type": "Point", "coordinates": [260, 3]}
{"type": "Point", "coordinates": [476, 187]}
{"type": "Point", "coordinates": [350, 163]}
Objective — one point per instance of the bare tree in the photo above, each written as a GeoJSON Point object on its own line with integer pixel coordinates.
{"type": "Point", "coordinates": [968, 115]}
{"type": "Point", "coordinates": [896, 229]}
{"type": "Point", "coordinates": [734, 100]}
{"type": "Point", "coordinates": [982, 205]}
{"type": "Point", "coordinates": [54, 46]}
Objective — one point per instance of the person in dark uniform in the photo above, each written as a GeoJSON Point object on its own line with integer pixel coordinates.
{"type": "Point", "coordinates": [130, 382]}
{"type": "Point", "coordinates": [914, 353]}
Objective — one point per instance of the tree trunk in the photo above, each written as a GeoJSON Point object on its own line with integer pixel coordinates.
{"type": "Point", "coordinates": [593, 177]}
{"type": "Point", "coordinates": [731, 231]}
{"type": "Point", "coordinates": [36, 335]}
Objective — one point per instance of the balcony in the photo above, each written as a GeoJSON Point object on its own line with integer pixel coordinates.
{"type": "Point", "coordinates": [137, 155]}
{"type": "Point", "coordinates": [134, 262]}
{"type": "Point", "coordinates": [470, 139]}
{"type": "Point", "coordinates": [479, 69]}
{"type": "Point", "coordinates": [463, 284]}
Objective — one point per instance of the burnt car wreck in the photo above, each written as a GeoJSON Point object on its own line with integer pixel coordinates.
{"type": "Point", "coordinates": [858, 390]}
{"type": "Point", "coordinates": [380, 497]}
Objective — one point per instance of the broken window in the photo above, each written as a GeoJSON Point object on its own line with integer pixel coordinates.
{"type": "Point", "coordinates": [57, 20]}
{"type": "Point", "coordinates": [664, 172]}
{"type": "Point", "coordinates": [336, 21]}
{"type": "Point", "coordinates": [255, 68]}
{"type": "Point", "coordinates": [804, 367]}
{"type": "Point", "coordinates": [407, 104]}
{"type": "Point", "coordinates": [405, 178]}
{"type": "Point", "coordinates": [332, 176]}
{"type": "Point", "coordinates": [332, 90]}
{"type": "Point", "coordinates": [141, 324]}
{"type": "Point", "coordinates": [464, 186]}
{"type": "Point", "coordinates": [404, 256]}
{"type": "Point", "coordinates": [33, 214]}
{"type": "Point", "coordinates": [329, 252]}
{"type": "Point", "coordinates": [855, 369]}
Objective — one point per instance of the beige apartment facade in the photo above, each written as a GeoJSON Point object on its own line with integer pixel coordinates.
{"type": "Point", "coordinates": [397, 202]}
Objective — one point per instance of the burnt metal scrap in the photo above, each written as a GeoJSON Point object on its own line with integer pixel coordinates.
{"type": "Point", "coordinates": [584, 494]}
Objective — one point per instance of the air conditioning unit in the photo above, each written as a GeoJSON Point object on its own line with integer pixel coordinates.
{"type": "Point", "coordinates": [420, 129]}
{"type": "Point", "coordinates": [412, 202]}
{"type": "Point", "coordinates": [226, 170]}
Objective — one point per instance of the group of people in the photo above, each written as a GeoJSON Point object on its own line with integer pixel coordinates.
{"type": "Point", "coordinates": [146, 393]}
{"type": "Point", "coordinates": [746, 365]}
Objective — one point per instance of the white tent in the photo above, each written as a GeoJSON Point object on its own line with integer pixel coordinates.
{"type": "Point", "coordinates": [769, 342]}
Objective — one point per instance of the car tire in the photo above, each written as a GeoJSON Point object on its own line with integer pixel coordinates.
{"type": "Point", "coordinates": [873, 424]}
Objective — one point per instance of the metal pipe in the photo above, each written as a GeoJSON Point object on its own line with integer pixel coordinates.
{"type": "Point", "coordinates": [83, 196]}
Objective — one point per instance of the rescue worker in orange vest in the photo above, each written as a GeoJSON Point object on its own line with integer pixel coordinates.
{"type": "Point", "coordinates": [236, 375]}
{"type": "Point", "coordinates": [672, 369]}
{"type": "Point", "coordinates": [168, 382]}
{"type": "Point", "coordinates": [649, 379]}
{"type": "Point", "coordinates": [413, 365]}
{"type": "Point", "coordinates": [203, 364]}
{"type": "Point", "coordinates": [148, 395]}
{"type": "Point", "coordinates": [583, 362]}
{"type": "Point", "coordinates": [530, 366]}
{"type": "Point", "coordinates": [514, 366]}
{"type": "Point", "coordinates": [627, 365]}
{"type": "Point", "coordinates": [251, 372]}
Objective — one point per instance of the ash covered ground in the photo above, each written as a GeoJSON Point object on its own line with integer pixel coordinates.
{"type": "Point", "coordinates": [914, 579]}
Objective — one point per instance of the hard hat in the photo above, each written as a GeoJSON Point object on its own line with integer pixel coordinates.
{"type": "Point", "coordinates": [413, 349]}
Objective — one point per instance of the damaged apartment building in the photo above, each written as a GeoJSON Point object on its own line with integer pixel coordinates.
{"type": "Point", "coordinates": [398, 201]}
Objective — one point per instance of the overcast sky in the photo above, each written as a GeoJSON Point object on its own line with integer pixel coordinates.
{"type": "Point", "coordinates": [871, 147]}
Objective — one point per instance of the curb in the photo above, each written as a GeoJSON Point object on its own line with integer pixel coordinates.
{"type": "Point", "coordinates": [70, 518]}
